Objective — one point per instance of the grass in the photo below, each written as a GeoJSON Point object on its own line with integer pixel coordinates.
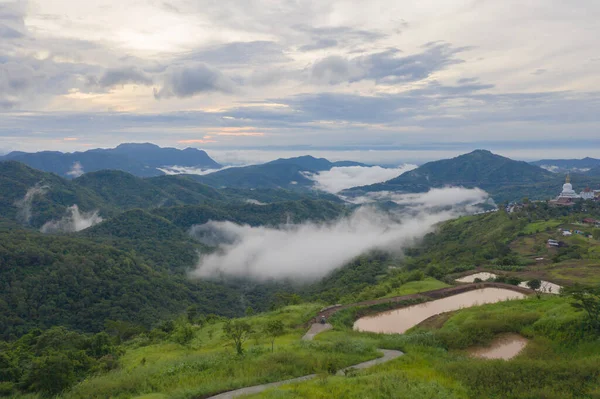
{"type": "Point", "coordinates": [560, 361]}
{"type": "Point", "coordinates": [415, 287]}
{"type": "Point", "coordinates": [544, 225]}
{"type": "Point", "coordinates": [208, 364]}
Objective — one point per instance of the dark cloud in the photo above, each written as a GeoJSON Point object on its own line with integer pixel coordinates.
{"type": "Point", "coordinates": [344, 32]}
{"type": "Point", "coordinates": [387, 67]}
{"type": "Point", "coordinates": [189, 81]}
{"type": "Point", "coordinates": [238, 53]}
{"type": "Point", "coordinates": [6, 32]}
{"type": "Point", "coordinates": [319, 44]}
{"type": "Point", "coordinates": [335, 69]}
{"type": "Point", "coordinates": [467, 80]}
{"type": "Point", "coordinates": [119, 76]}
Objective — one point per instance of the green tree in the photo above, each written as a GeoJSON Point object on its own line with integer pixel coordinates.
{"type": "Point", "coordinates": [535, 285]}
{"type": "Point", "coordinates": [588, 300]}
{"type": "Point", "coordinates": [596, 234]}
{"type": "Point", "coordinates": [238, 331]}
{"type": "Point", "coordinates": [274, 329]}
{"type": "Point", "coordinates": [192, 313]}
{"type": "Point", "coordinates": [183, 333]}
{"type": "Point", "coordinates": [51, 374]}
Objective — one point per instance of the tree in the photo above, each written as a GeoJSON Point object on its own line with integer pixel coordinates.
{"type": "Point", "coordinates": [238, 331]}
{"type": "Point", "coordinates": [587, 299]}
{"type": "Point", "coordinates": [51, 374]}
{"type": "Point", "coordinates": [274, 329]}
{"type": "Point", "coordinates": [535, 285]}
{"type": "Point", "coordinates": [596, 234]}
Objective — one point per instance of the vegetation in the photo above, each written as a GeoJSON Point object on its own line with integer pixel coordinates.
{"type": "Point", "coordinates": [504, 178]}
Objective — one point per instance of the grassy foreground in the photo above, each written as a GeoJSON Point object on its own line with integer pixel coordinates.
{"type": "Point", "coordinates": [208, 365]}
{"type": "Point", "coordinates": [561, 361]}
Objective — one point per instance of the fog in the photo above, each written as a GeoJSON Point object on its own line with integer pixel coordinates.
{"type": "Point", "coordinates": [188, 170]}
{"type": "Point", "coordinates": [24, 204]}
{"type": "Point", "coordinates": [341, 178]}
{"type": "Point", "coordinates": [434, 198]}
{"type": "Point", "coordinates": [76, 170]}
{"type": "Point", "coordinates": [309, 251]}
{"type": "Point", "coordinates": [74, 220]}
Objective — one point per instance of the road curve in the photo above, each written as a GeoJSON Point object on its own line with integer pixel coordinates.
{"type": "Point", "coordinates": [314, 330]}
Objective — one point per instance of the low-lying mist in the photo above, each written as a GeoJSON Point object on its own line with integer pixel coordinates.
{"type": "Point", "coordinates": [340, 178]}
{"type": "Point", "coordinates": [74, 220]}
{"type": "Point", "coordinates": [309, 251]}
{"type": "Point", "coordinates": [24, 205]}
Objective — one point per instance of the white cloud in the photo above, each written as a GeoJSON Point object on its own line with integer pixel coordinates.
{"type": "Point", "coordinates": [255, 202]}
{"type": "Point", "coordinates": [309, 251]}
{"type": "Point", "coordinates": [24, 205]}
{"type": "Point", "coordinates": [76, 170]}
{"type": "Point", "coordinates": [436, 197]}
{"type": "Point", "coordinates": [74, 220]}
{"type": "Point", "coordinates": [188, 170]}
{"type": "Point", "coordinates": [340, 178]}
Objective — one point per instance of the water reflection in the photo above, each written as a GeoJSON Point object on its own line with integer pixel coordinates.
{"type": "Point", "coordinates": [400, 320]}
{"type": "Point", "coordinates": [505, 346]}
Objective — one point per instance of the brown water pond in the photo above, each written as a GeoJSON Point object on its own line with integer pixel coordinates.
{"type": "Point", "coordinates": [400, 320]}
{"type": "Point", "coordinates": [505, 346]}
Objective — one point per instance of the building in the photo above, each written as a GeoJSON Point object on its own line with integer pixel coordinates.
{"type": "Point", "coordinates": [568, 196]}
{"type": "Point", "coordinates": [587, 194]}
{"type": "Point", "coordinates": [590, 221]}
{"type": "Point", "coordinates": [553, 243]}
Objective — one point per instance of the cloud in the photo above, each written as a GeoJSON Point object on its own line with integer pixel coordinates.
{"type": "Point", "coordinates": [239, 53]}
{"type": "Point", "coordinates": [319, 44]}
{"type": "Point", "coordinates": [189, 81]}
{"type": "Point", "coordinates": [387, 67]}
{"type": "Point", "coordinates": [433, 199]}
{"type": "Point", "coordinates": [550, 168]}
{"type": "Point", "coordinates": [187, 170]}
{"type": "Point", "coordinates": [73, 221]}
{"type": "Point", "coordinates": [310, 251]}
{"type": "Point", "coordinates": [76, 170]}
{"type": "Point", "coordinates": [340, 178]}
{"type": "Point", "coordinates": [127, 75]}
{"type": "Point", "coordinates": [24, 205]}
{"type": "Point", "coordinates": [255, 202]}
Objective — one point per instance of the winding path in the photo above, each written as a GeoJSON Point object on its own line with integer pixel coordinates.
{"type": "Point", "coordinates": [388, 355]}
{"type": "Point", "coordinates": [312, 332]}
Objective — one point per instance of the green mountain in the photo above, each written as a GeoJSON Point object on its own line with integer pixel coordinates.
{"type": "Point", "coordinates": [282, 173]}
{"type": "Point", "coordinates": [112, 191]}
{"type": "Point", "coordinates": [504, 178]}
{"type": "Point", "coordinates": [566, 165]}
{"type": "Point", "coordinates": [33, 197]}
{"type": "Point", "coordinates": [138, 159]}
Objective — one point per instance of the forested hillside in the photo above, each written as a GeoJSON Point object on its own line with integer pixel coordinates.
{"type": "Point", "coordinates": [138, 159]}
{"type": "Point", "coordinates": [504, 178]}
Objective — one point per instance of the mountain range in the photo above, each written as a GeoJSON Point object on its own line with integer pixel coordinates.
{"type": "Point", "coordinates": [289, 173]}
{"type": "Point", "coordinates": [586, 165]}
{"type": "Point", "coordinates": [138, 159]}
{"type": "Point", "coordinates": [503, 178]}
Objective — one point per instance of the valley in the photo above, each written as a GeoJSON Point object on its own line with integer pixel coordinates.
{"type": "Point", "coordinates": [116, 308]}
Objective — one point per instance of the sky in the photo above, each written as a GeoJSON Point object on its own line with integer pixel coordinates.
{"type": "Point", "coordinates": [397, 80]}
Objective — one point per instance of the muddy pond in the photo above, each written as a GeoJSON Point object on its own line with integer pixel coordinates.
{"type": "Point", "coordinates": [505, 346]}
{"type": "Point", "coordinates": [399, 320]}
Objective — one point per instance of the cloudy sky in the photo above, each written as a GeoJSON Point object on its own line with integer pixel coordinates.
{"type": "Point", "coordinates": [434, 77]}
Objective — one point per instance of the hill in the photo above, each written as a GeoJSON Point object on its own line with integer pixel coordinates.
{"type": "Point", "coordinates": [138, 159]}
{"type": "Point", "coordinates": [112, 191]}
{"type": "Point", "coordinates": [594, 171]}
{"type": "Point", "coordinates": [568, 165]}
{"type": "Point", "coordinates": [504, 178]}
{"type": "Point", "coordinates": [282, 173]}
{"type": "Point", "coordinates": [33, 197]}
